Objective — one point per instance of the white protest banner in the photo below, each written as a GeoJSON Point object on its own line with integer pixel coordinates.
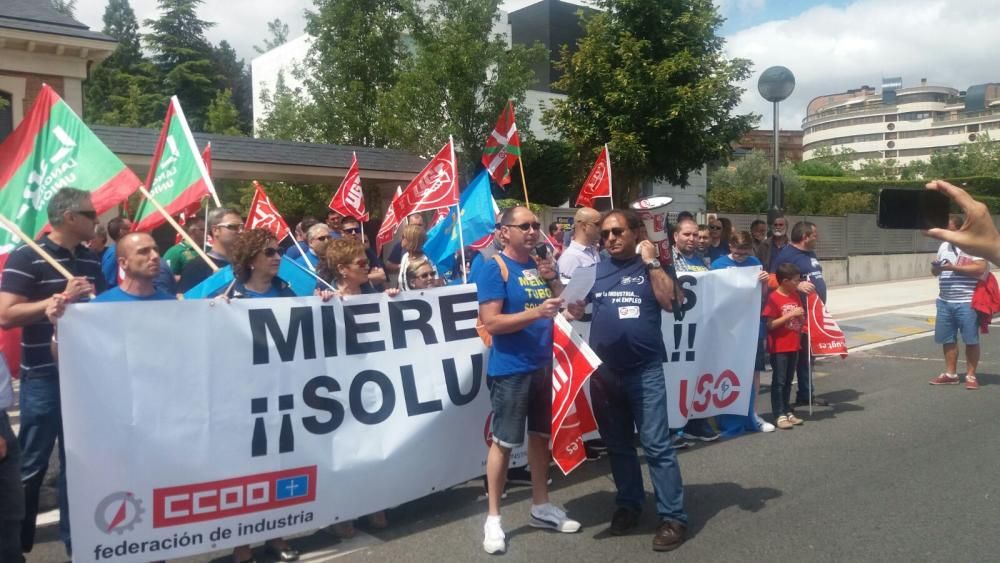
{"type": "Point", "coordinates": [198, 425]}
{"type": "Point", "coordinates": [710, 352]}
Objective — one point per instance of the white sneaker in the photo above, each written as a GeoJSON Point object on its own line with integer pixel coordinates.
{"type": "Point", "coordinates": [494, 540]}
{"type": "Point", "coordinates": [552, 517]}
{"type": "Point", "coordinates": [763, 425]}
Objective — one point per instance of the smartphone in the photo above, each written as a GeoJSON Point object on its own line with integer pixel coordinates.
{"type": "Point", "coordinates": [912, 208]}
{"type": "Point", "coordinates": [542, 251]}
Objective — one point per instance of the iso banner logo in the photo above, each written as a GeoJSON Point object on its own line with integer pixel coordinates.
{"type": "Point", "coordinates": [118, 512]}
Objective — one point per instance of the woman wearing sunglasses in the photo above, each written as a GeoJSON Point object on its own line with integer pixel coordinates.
{"type": "Point", "coordinates": [412, 240]}
{"type": "Point", "coordinates": [420, 274]}
{"type": "Point", "coordinates": [255, 268]}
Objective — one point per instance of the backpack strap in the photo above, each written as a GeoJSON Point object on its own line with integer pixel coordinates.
{"type": "Point", "coordinates": [504, 272]}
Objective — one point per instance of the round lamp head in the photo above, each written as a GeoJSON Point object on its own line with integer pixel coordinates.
{"type": "Point", "coordinates": [776, 83]}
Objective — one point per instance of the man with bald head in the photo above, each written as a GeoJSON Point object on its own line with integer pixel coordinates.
{"type": "Point", "coordinates": [138, 258]}
{"type": "Point", "coordinates": [583, 250]}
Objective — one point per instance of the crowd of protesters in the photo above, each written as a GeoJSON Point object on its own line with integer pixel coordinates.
{"type": "Point", "coordinates": [519, 290]}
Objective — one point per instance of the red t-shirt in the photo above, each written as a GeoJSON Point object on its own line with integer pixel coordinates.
{"type": "Point", "coordinates": [786, 337]}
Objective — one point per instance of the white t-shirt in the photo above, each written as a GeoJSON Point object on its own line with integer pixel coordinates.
{"type": "Point", "coordinates": [955, 287]}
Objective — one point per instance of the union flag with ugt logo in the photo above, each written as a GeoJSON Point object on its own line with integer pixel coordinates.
{"type": "Point", "coordinates": [573, 362]}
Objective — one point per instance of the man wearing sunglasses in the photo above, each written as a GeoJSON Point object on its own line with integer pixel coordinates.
{"type": "Point", "coordinates": [629, 390]}
{"type": "Point", "coordinates": [224, 226]}
{"type": "Point", "coordinates": [584, 250]}
{"type": "Point", "coordinates": [317, 238]}
{"type": "Point", "coordinates": [29, 286]}
{"type": "Point", "coordinates": [351, 228]}
{"type": "Point", "coordinates": [517, 310]}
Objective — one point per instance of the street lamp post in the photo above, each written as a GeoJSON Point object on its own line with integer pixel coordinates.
{"type": "Point", "coordinates": [776, 84]}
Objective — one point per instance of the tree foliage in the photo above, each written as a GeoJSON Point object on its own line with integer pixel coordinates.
{"type": "Point", "coordinates": [67, 7]}
{"type": "Point", "coordinates": [122, 90]}
{"type": "Point", "coordinates": [222, 116]}
{"type": "Point", "coordinates": [459, 79]}
{"type": "Point", "coordinates": [235, 77]}
{"type": "Point", "coordinates": [284, 117]}
{"type": "Point", "coordinates": [356, 52]}
{"type": "Point", "coordinates": [278, 31]}
{"type": "Point", "coordinates": [552, 169]}
{"type": "Point", "coordinates": [183, 57]}
{"type": "Point", "coordinates": [650, 78]}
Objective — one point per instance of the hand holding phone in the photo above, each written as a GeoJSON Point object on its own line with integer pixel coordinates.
{"type": "Point", "coordinates": [905, 208]}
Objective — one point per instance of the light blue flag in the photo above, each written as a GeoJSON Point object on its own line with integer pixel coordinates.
{"type": "Point", "coordinates": [478, 218]}
{"type": "Point", "coordinates": [301, 281]}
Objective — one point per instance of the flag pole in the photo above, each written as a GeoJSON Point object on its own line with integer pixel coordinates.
{"type": "Point", "coordinates": [524, 181]}
{"type": "Point", "coordinates": [302, 253]}
{"type": "Point", "coordinates": [16, 231]}
{"type": "Point", "coordinates": [180, 230]}
{"type": "Point", "coordinates": [311, 273]}
{"type": "Point", "coordinates": [607, 165]}
{"type": "Point", "coordinates": [808, 351]}
{"type": "Point", "coordinates": [458, 210]}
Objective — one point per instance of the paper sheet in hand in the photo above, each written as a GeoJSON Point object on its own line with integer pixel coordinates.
{"type": "Point", "coordinates": [580, 284]}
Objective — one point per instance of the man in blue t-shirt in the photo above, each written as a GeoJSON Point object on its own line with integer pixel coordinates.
{"type": "Point", "coordinates": [517, 302]}
{"type": "Point", "coordinates": [801, 251]}
{"type": "Point", "coordinates": [139, 259]}
{"type": "Point", "coordinates": [629, 390]}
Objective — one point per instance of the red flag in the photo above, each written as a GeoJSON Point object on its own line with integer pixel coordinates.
{"type": "Point", "coordinates": [482, 243]}
{"type": "Point", "coordinates": [441, 214]}
{"type": "Point", "coordinates": [503, 147]}
{"type": "Point", "coordinates": [572, 364]}
{"type": "Point", "coordinates": [598, 183]}
{"type": "Point", "coordinates": [349, 200]}
{"type": "Point", "coordinates": [825, 336]}
{"type": "Point", "coordinates": [389, 224]}
{"type": "Point", "coordinates": [263, 215]}
{"type": "Point", "coordinates": [435, 187]}
{"type": "Point", "coordinates": [206, 157]}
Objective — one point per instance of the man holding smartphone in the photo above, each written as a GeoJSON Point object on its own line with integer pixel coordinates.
{"type": "Point", "coordinates": [958, 273]}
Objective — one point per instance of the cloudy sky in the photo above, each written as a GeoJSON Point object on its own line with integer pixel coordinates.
{"type": "Point", "coordinates": [830, 45]}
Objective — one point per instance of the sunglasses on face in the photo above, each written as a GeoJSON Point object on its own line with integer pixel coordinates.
{"type": "Point", "coordinates": [426, 275]}
{"type": "Point", "coordinates": [526, 226]}
{"type": "Point", "coordinates": [92, 215]}
{"type": "Point", "coordinates": [269, 252]}
{"type": "Point", "coordinates": [617, 231]}
{"type": "Point", "coordinates": [716, 227]}
{"type": "Point", "coordinates": [353, 231]}
{"type": "Point", "coordinates": [235, 227]}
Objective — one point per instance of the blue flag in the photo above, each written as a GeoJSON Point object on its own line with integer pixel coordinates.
{"type": "Point", "coordinates": [478, 218]}
{"type": "Point", "coordinates": [301, 281]}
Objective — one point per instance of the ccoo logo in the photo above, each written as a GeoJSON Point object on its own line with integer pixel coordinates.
{"type": "Point", "coordinates": [118, 512]}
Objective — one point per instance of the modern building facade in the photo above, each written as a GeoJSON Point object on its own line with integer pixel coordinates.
{"type": "Point", "coordinates": [905, 124]}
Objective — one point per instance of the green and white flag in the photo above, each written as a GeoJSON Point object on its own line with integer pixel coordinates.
{"type": "Point", "coordinates": [51, 149]}
{"type": "Point", "coordinates": [178, 177]}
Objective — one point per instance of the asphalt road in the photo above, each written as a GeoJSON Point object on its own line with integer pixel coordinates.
{"type": "Point", "coordinates": [895, 470]}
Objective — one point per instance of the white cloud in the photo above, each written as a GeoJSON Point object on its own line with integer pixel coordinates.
{"type": "Point", "coordinates": [951, 43]}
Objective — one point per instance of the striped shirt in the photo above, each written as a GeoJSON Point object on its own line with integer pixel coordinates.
{"type": "Point", "coordinates": [955, 287]}
{"type": "Point", "coordinates": [27, 275]}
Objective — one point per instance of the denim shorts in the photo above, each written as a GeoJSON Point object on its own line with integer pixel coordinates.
{"type": "Point", "coordinates": [519, 397]}
{"type": "Point", "coordinates": [952, 318]}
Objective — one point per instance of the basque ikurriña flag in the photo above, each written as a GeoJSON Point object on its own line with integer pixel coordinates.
{"type": "Point", "coordinates": [503, 147]}
{"type": "Point", "coordinates": [51, 149]}
{"type": "Point", "coordinates": [178, 177]}
{"type": "Point", "coordinates": [573, 362]}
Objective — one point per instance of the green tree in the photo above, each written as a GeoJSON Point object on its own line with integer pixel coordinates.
{"type": "Point", "coordinates": [828, 162]}
{"type": "Point", "coordinates": [356, 52]}
{"type": "Point", "coordinates": [184, 57]}
{"type": "Point", "coordinates": [235, 77]}
{"type": "Point", "coordinates": [553, 172]}
{"type": "Point", "coordinates": [284, 117]}
{"type": "Point", "coordinates": [459, 79]}
{"type": "Point", "coordinates": [222, 117]}
{"type": "Point", "coordinates": [122, 90]}
{"type": "Point", "coordinates": [879, 169]}
{"type": "Point", "coordinates": [279, 36]}
{"type": "Point", "coordinates": [650, 78]}
{"type": "Point", "coordinates": [67, 7]}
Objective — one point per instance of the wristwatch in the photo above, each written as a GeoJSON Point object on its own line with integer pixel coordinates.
{"type": "Point", "coordinates": [653, 264]}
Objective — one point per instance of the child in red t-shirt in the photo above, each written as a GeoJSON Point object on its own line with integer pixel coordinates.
{"type": "Point", "coordinates": [785, 318]}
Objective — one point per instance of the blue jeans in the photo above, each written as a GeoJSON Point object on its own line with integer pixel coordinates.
{"type": "Point", "coordinates": [782, 365]}
{"type": "Point", "coordinates": [632, 399]}
{"type": "Point", "coordinates": [41, 426]}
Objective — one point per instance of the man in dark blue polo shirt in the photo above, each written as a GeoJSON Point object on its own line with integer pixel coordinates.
{"type": "Point", "coordinates": [28, 286]}
{"type": "Point", "coordinates": [629, 390]}
{"type": "Point", "coordinates": [801, 251]}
